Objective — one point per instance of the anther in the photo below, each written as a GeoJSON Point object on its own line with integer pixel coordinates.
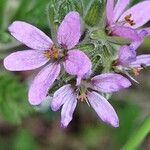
{"type": "Point", "coordinates": [52, 53]}
{"type": "Point", "coordinates": [82, 97]}
{"type": "Point", "coordinates": [137, 71]}
{"type": "Point", "coordinates": [129, 20]}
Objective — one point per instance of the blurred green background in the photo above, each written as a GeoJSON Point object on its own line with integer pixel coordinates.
{"type": "Point", "coordinates": [23, 127]}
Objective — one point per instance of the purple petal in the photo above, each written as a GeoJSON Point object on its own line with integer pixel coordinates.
{"type": "Point", "coordinates": [77, 63]}
{"type": "Point", "coordinates": [119, 8]}
{"type": "Point", "coordinates": [25, 60]}
{"type": "Point", "coordinates": [139, 12]}
{"type": "Point", "coordinates": [68, 110]}
{"type": "Point", "coordinates": [69, 30]}
{"type": "Point", "coordinates": [103, 108]}
{"type": "Point", "coordinates": [85, 76]}
{"type": "Point", "coordinates": [61, 96]}
{"type": "Point", "coordinates": [125, 32]}
{"type": "Point", "coordinates": [141, 60]}
{"type": "Point", "coordinates": [147, 30]}
{"type": "Point", "coordinates": [136, 44]}
{"type": "Point", "coordinates": [126, 55]}
{"type": "Point", "coordinates": [78, 80]}
{"type": "Point", "coordinates": [42, 82]}
{"type": "Point", "coordinates": [109, 82]}
{"type": "Point", "coordinates": [109, 11]}
{"type": "Point", "coordinates": [30, 35]}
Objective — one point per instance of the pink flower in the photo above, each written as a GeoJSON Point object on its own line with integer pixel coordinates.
{"type": "Point", "coordinates": [128, 59]}
{"type": "Point", "coordinates": [123, 22]}
{"type": "Point", "coordinates": [88, 90]}
{"type": "Point", "coordinates": [43, 51]}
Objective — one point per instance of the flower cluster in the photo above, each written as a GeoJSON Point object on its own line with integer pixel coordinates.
{"type": "Point", "coordinates": [64, 56]}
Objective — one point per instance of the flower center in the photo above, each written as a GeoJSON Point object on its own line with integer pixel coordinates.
{"type": "Point", "coordinates": [129, 20]}
{"type": "Point", "coordinates": [82, 91]}
{"type": "Point", "coordinates": [83, 97]}
{"type": "Point", "coordinates": [52, 53]}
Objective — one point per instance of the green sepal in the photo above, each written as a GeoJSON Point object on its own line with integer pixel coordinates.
{"type": "Point", "coordinates": [98, 34]}
{"type": "Point", "coordinates": [53, 19]}
{"type": "Point", "coordinates": [86, 47]}
{"type": "Point", "coordinates": [63, 9]}
{"type": "Point", "coordinates": [77, 5]}
{"type": "Point", "coordinates": [94, 13]}
{"type": "Point", "coordinates": [118, 40]}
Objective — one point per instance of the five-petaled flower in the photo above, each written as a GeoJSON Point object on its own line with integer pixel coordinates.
{"type": "Point", "coordinates": [44, 51]}
{"type": "Point", "coordinates": [88, 91]}
{"type": "Point", "coordinates": [126, 23]}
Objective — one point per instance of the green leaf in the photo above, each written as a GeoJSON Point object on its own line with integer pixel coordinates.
{"type": "Point", "coordinates": [94, 13]}
{"type": "Point", "coordinates": [136, 139]}
{"type": "Point", "coordinates": [13, 98]}
{"type": "Point", "coordinates": [128, 113]}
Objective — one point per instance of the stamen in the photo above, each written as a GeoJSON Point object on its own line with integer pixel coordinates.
{"type": "Point", "coordinates": [129, 20]}
{"type": "Point", "coordinates": [137, 71]}
{"type": "Point", "coordinates": [83, 97]}
{"type": "Point", "coordinates": [52, 53]}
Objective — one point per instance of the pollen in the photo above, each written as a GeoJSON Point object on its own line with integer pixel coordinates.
{"type": "Point", "coordinates": [52, 53]}
{"type": "Point", "coordinates": [129, 20]}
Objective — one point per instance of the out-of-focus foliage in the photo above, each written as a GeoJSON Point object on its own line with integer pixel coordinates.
{"type": "Point", "coordinates": [23, 140]}
{"type": "Point", "coordinates": [30, 11]}
{"type": "Point", "coordinates": [133, 2]}
{"type": "Point", "coordinates": [13, 98]}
